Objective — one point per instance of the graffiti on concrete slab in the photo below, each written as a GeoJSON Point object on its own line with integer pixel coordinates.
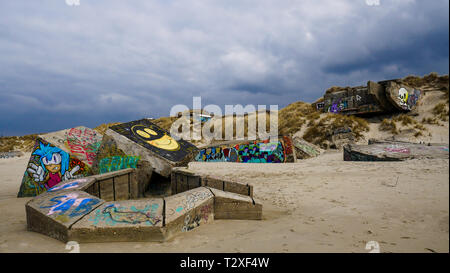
{"type": "Point", "coordinates": [154, 138]}
{"type": "Point", "coordinates": [251, 152]}
{"type": "Point", "coordinates": [115, 163]}
{"type": "Point", "coordinates": [408, 100]}
{"type": "Point", "coordinates": [48, 166]}
{"type": "Point", "coordinates": [67, 186]}
{"type": "Point", "coordinates": [83, 143]}
{"type": "Point", "coordinates": [191, 222]}
{"type": "Point", "coordinates": [397, 149]}
{"type": "Point", "coordinates": [114, 214]}
{"type": "Point", "coordinates": [70, 205]}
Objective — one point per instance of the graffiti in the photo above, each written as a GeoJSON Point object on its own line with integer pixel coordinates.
{"type": "Point", "coordinates": [408, 100]}
{"type": "Point", "coordinates": [48, 166]}
{"type": "Point", "coordinates": [115, 213]}
{"type": "Point", "coordinates": [256, 152]}
{"type": "Point", "coordinates": [338, 106]}
{"type": "Point", "coordinates": [193, 198]}
{"type": "Point", "coordinates": [320, 106]}
{"type": "Point", "coordinates": [205, 212]}
{"type": "Point", "coordinates": [307, 149]}
{"type": "Point", "coordinates": [83, 143]}
{"type": "Point", "coordinates": [157, 140]}
{"type": "Point", "coordinates": [397, 149]}
{"type": "Point", "coordinates": [191, 224]}
{"type": "Point", "coordinates": [72, 185]}
{"type": "Point", "coordinates": [64, 203]}
{"type": "Point", "coordinates": [115, 163]}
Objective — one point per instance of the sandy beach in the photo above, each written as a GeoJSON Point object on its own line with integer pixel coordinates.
{"type": "Point", "coordinates": [323, 204]}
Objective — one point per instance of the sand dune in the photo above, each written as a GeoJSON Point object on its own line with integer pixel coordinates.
{"type": "Point", "coordinates": [317, 205]}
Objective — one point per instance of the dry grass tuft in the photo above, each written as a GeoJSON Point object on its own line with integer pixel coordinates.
{"type": "Point", "coordinates": [319, 132]}
{"type": "Point", "coordinates": [388, 125]}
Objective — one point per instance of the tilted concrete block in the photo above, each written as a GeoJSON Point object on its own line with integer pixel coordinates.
{"type": "Point", "coordinates": [54, 213]}
{"type": "Point", "coordinates": [394, 151]}
{"type": "Point", "coordinates": [188, 210]}
{"type": "Point", "coordinates": [119, 221]}
{"type": "Point", "coordinates": [229, 205]}
{"type": "Point", "coordinates": [401, 96]}
{"type": "Point", "coordinates": [59, 156]}
{"type": "Point", "coordinates": [150, 143]}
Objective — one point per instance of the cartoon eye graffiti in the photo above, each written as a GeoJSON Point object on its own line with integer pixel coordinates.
{"type": "Point", "coordinates": [56, 159]}
{"type": "Point", "coordinates": [155, 137]}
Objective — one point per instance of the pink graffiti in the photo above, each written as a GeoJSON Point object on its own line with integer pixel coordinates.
{"type": "Point", "coordinates": [395, 149]}
{"type": "Point", "coordinates": [83, 142]}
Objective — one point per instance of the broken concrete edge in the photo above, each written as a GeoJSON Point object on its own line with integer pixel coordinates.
{"type": "Point", "coordinates": [225, 205]}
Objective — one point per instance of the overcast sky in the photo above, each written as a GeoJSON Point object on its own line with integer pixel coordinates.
{"type": "Point", "coordinates": [109, 60]}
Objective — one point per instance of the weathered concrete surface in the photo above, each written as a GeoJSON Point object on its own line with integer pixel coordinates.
{"type": "Point", "coordinates": [80, 142]}
{"type": "Point", "coordinates": [394, 151]}
{"type": "Point", "coordinates": [341, 137]}
{"type": "Point", "coordinates": [229, 205]}
{"type": "Point", "coordinates": [375, 98]}
{"type": "Point", "coordinates": [150, 143]}
{"type": "Point", "coordinates": [188, 210]}
{"type": "Point", "coordinates": [304, 149]}
{"type": "Point", "coordinates": [120, 221]}
{"type": "Point", "coordinates": [59, 156]}
{"type": "Point", "coordinates": [53, 214]}
{"type": "Point", "coordinates": [117, 185]}
{"type": "Point", "coordinates": [280, 151]}
{"type": "Point", "coordinates": [79, 184]}
{"type": "Point", "coordinates": [401, 96]}
{"type": "Point", "coordinates": [183, 179]}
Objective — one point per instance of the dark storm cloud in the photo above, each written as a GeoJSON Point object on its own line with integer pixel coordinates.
{"type": "Point", "coordinates": [105, 61]}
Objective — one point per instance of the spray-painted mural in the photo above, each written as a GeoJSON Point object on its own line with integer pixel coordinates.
{"type": "Point", "coordinates": [250, 152]}
{"type": "Point", "coordinates": [407, 100]}
{"type": "Point", "coordinates": [48, 166]}
{"type": "Point", "coordinates": [114, 214]}
{"type": "Point", "coordinates": [154, 138]}
{"type": "Point", "coordinates": [83, 143]}
{"type": "Point", "coordinates": [115, 163]}
{"type": "Point", "coordinates": [70, 205]}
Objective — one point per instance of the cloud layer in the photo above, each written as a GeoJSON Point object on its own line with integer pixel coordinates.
{"type": "Point", "coordinates": [105, 61]}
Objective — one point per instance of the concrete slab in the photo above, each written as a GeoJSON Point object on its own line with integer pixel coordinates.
{"type": "Point", "coordinates": [188, 210]}
{"type": "Point", "coordinates": [120, 221]}
{"type": "Point", "coordinates": [59, 156]}
{"type": "Point", "coordinates": [229, 205]}
{"type": "Point", "coordinates": [304, 149]}
{"type": "Point", "coordinates": [280, 151]}
{"type": "Point", "coordinates": [53, 214]}
{"type": "Point", "coordinates": [401, 96]}
{"type": "Point", "coordinates": [150, 143]}
{"type": "Point", "coordinates": [394, 151]}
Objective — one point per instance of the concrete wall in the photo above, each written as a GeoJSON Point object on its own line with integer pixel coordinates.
{"type": "Point", "coordinates": [280, 151]}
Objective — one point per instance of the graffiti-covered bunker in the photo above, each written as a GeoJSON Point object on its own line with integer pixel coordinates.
{"type": "Point", "coordinates": [374, 98]}
{"type": "Point", "coordinates": [112, 204]}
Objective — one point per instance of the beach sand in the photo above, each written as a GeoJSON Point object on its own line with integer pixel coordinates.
{"type": "Point", "coordinates": [322, 204]}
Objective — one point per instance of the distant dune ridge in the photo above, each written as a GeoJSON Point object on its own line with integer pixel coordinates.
{"type": "Point", "coordinates": [424, 124]}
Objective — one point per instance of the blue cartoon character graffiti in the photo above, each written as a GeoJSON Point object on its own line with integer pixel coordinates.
{"type": "Point", "coordinates": [53, 168]}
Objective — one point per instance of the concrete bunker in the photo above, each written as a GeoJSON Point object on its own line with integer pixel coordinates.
{"type": "Point", "coordinates": [107, 207]}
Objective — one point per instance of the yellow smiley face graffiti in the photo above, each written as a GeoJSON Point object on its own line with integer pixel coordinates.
{"type": "Point", "coordinates": [155, 138]}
